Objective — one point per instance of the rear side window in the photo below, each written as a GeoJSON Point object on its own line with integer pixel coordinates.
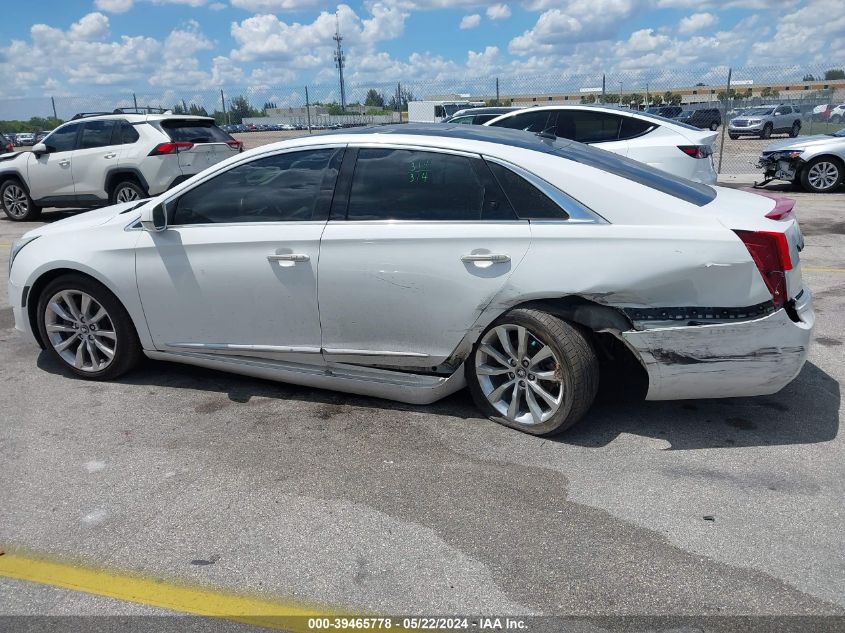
{"type": "Point", "coordinates": [124, 134]}
{"type": "Point", "coordinates": [632, 128]}
{"type": "Point", "coordinates": [97, 133]}
{"type": "Point", "coordinates": [528, 201]}
{"type": "Point", "coordinates": [194, 131]}
{"type": "Point", "coordinates": [398, 184]}
{"type": "Point", "coordinates": [537, 121]}
{"type": "Point", "coordinates": [588, 127]}
{"type": "Point", "coordinates": [283, 188]}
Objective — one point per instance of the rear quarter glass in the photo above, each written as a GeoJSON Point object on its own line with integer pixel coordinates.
{"type": "Point", "coordinates": [194, 131]}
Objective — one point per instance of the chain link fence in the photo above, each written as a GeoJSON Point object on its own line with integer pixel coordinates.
{"type": "Point", "coordinates": [263, 114]}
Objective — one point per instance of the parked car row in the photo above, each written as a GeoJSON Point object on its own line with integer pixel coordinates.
{"type": "Point", "coordinates": [103, 159]}
{"type": "Point", "coordinates": [524, 265]}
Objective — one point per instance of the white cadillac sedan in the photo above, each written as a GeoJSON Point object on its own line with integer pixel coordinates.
{"type": "Point", "coordinates": [406, 262]}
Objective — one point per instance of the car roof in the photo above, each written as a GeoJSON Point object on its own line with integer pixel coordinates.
{"type": "Point", "coordinates": [495, 141]}
{"type": "Point", "coordinates": [140, 118]}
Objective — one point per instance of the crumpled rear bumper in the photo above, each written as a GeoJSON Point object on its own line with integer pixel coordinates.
{"type": "Point", "coordinates": [750, 358]}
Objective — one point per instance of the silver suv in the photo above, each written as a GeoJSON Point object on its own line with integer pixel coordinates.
{"type": "Point", "coordinates": [98, 159]}
{"type": "Point", "coordinates": [763, 121]}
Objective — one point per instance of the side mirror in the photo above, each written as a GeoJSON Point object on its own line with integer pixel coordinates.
{"type": "Point", "coordinates": [39, 149]}
{"type": "Point", "coordinates": [154, 218]}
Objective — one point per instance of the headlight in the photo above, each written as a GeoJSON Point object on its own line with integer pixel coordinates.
{"type": "Point", "coordinates": [790, 155]}
{"type": "Point", "coordinates": [17, 245]}
{"type": "Point", "coordinates": [755, 121]}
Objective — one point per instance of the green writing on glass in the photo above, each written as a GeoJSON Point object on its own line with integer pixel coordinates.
{"type": "Point", "coordinates": [418, 171]}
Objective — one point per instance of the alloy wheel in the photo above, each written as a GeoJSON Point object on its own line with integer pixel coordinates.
{"type": "Point", "coordinates": [823, 175]}
{"type": "Point", "coordinates": [15, 201]}
{"type": "Point", "coordinates": [126, 194]}
{"type": "Point", "coordinates": [80, 330]}
{"type": "Point", "coordinates": [519, 374]}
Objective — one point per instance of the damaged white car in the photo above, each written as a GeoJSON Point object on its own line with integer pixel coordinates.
{"type": "Point", "coordinates": [407, 262]}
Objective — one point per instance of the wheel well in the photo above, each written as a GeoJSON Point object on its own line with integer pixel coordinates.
{"type": "Point", "coordinates": [623, 375]}
{"type": "Point", "coordinates": [117, 177]}
{"type": "Point", "coordinates": [34, 296]}
{"type": "Point", "coordinates": [4, 178]}
{"type": "Point", "coordinates": [830, 157]}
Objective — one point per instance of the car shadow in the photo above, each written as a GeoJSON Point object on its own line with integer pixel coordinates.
{"type": "Point", "coordinates": [805, 412]}
{"type": "Point", "coordinates": [47, 216]}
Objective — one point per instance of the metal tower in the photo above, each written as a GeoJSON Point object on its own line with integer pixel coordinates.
{"type": "Point", "coordinates": [340, 61]}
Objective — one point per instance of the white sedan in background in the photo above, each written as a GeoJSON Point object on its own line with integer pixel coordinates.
{"type": "Point", "coordinates": [674, 147]}
{"type": "Point", "coordinates": [408, 261]}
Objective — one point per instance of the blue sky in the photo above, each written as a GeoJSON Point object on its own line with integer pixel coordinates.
{"type": "Point", "coordinates": [171, 48]}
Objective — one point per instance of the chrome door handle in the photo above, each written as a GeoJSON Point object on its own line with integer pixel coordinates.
{"type": "Point", "coordinates": [64, 163]}
{"type": "Point", "coordinates": [112, 155]}
{"type": "Point", "coordinates": [288, 257]}
{"type": "Point", "coordinates": [486, 257]}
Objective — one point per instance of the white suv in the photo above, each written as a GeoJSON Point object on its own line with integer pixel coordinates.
{"type": "Point", "coordinates": [100, 159]}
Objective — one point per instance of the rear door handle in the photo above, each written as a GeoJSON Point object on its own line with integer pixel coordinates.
{"type": "Point", "coordinates": [112, 155]}
{"type": "Point", "coordinates": [486, 257]}
{"type": "Point", "coordinates": [64, 163]}
{"type": "Point", "coordinates": [288, 257]}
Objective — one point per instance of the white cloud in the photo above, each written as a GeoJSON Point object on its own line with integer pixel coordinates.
{"type": "Point", "coordinates": [696, 22]}
{"type": "Point", "coordinates": [580, 21]}
{"type": "Point", "coordinates": [274, 6]}
{"type": "Point", "coordinates": [217, 6]}
{"type": "Point", "coordinates": [725, 4]}
{"type": "Point", "coordinates": [470, 21]}
{"type": "Point", "coordinates": [498, 12]}
{"type": "Point", "coordinates": [816, 31]}
{"type": "Point", "coordinates": [114, 6]}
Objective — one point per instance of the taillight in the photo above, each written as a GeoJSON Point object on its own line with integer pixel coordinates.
{"type": "Point", "coordinates": [696, 151]}
{"type": "Point", "coordinates": [770, 252]}
{"type": "Point", "coordinates": [170, 148]}
{"type": "Point", "coordinates": [236, 145]}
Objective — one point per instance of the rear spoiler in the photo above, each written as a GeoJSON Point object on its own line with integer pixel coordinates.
{"type": "Point", "coordinates": [783, 205]}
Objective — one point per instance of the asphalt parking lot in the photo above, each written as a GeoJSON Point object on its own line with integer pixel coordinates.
{"type": "Point", "coordinates": [717, 507]}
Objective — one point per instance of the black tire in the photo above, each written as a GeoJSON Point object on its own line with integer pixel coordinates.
{"type": "Point", "coordinates": [795, 129]}
{"type": "Point", "coordinates": [733, 136]}
{"type": "Point", "coordinates": [714, 126]}
{"type": "Point", "coordinates": [767, 131]}
{"type": "Point", "coordinates": [579, 370]}
{"type": "Point", "coordinates": [837, 181]}
{"type": "Point", "coordinates": [127, 348]}
{"type": "Point", "coordinates": [17, 203]}
{"type": "Point", "coordinates": [127, 187]}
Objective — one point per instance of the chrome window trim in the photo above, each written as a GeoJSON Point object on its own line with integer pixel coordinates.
{"type": "Point", "coordinates": [578, 212]}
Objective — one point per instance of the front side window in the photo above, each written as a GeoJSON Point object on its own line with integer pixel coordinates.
{"type": "Point", "coordinates": [537, 121]}
{"type": "Point", "coordinates": [97, 133]}
{"type": "Point", "coordinates": [63, 139]}
{"type": "Point", "coordinates": [462, 120]}
{"type": "Point", "coordinates": [399, 184]}
{"type": "Point", "coordinates": [283, 188]}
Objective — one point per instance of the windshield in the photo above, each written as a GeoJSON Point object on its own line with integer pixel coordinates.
{"type": "Point", "coordinates": [758, 111]}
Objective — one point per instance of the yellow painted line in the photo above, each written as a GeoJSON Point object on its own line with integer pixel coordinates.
{"type": "Point", "coordinates": [204, 601]}
{"type": "Point", "coordinates": [821, 269]}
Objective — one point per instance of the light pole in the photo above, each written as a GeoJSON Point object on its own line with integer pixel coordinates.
{"type": "Point", "coordinates": [340, 60]}
{"type": "Point", "coordinates": [620, 93]}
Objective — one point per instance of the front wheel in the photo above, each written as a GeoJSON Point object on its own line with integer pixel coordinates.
{"type": "Point", "coordinates": [767, 131]}
{"type": "Point", "coordinates": [533, 372]}
{"type": "Point", "coordinates": [714, 126]}
{"type": "Point", "coordinates": [85, 328]}
{"type": "Point", "coordinates": [17, 203]}
{"type": "Point", "coordinates": [734, 136]}
{"type": "Point", "coordinates": [796, 128]}
{"type": "Point", "coordinates": [822, 175]}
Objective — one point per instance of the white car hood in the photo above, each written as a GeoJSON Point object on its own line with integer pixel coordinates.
{"type": "Point", "coordinates": [803, 142]}
{"type": "Point", "coordinates": [83, 220]}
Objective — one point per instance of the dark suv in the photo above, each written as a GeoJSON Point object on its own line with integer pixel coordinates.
{"type": "Point", "coordinates": [704, 118]}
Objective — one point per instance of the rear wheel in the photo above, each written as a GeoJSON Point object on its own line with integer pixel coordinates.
{"type": "Point", "coordinates": [127, 191]}
{"type": "Point", "coordinates": [533, 372]}
{"type": "Point", "coordinates": [822, 174]}
{"type": "Point", "coordinates": [17, 204]}
{"type": "Point", "coordinates": [767, 131]}
{"type": "Point", "coordinates": [85, 328]}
